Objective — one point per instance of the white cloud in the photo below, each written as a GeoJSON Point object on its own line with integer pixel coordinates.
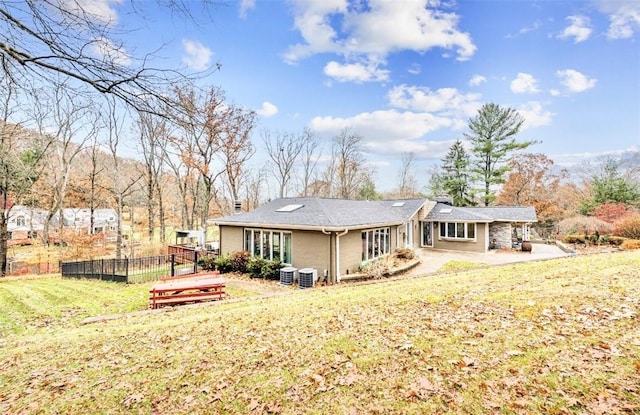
{"type": "Point", "coordinates": [246, 5]}
{"type": "Point", "coordinates": [383, 126]}
{"type": "Point", "coordinates": [355, 72]}
{"type": "Point", "coordinates": [579, 29]}
{"type": "Point", "coordinates": [369, 34]}
{"type": "Point", "coordinates": [524, 83]}
{"type": "Point", "coordinates": [477, 80]}
{"type": "Point", "coordinates": [624, 18]}
{"type": "Point", "coordinates": [445, 101]}
{"type": "Point", "coordinates": [554, 92]}
{"type": "Point", "coordinates": [415, 69]}
{"type": "Point", "coordinates": [267, 110]}
{"type": "Point", "coordinates": [575, 81]}
{"type": "Point", "coordinates": [535, 115]}
{"type": "Point", "coordinates": [100, 10]}
{"type": "Point", "coordinates": [197, 56]}
{"type": "Point", "coordinates": [106, 49]}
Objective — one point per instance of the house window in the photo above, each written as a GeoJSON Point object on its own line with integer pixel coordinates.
{"type": "Point", "coordinates": [375, 243]}
{"type": "Point", "coordinates": [20, 221]}
{"type": "Point", "coordinates": [457, 230]}
{"type": "Point", "coordinates": [268, 244]}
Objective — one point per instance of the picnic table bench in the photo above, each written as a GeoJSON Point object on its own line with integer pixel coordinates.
{"type": "Point", "coordinates": [186, 291]}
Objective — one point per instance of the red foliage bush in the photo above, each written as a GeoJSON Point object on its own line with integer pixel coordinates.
{"type": "Point", "coordinates": [629, 227]}
{"type": "Point", "coordinates": [610, 212]}
{"type": "Point", "coordinates": [582, 225]}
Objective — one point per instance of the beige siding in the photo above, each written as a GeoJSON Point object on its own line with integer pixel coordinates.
{"type": "Point", "coordinates": [350, 252]}
{"type": "Point", "coordinates": [231, 239]}
{"type": "Point", "coordinates": [479, 245]}
{"type": "Point", "coordinates": [310, 249]}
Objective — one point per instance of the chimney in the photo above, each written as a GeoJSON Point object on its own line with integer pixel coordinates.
{"type": "Point", "coordinates": [237, 206]}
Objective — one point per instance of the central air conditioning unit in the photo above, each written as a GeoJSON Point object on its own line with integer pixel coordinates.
{"type": "Point", "coordinates": [306, 277]}
{"type": "Point", "coordinates": [287, 275]}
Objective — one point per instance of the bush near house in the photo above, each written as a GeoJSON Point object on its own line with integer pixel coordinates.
{"type": "Point", "coordinates": [258, 267]}
{"type": "Point", "coordinates": [595, 239]}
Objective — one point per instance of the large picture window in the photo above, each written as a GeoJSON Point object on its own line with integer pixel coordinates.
{"type": "Point", "coordinates": [268, 244]}
{"type": "Point", "coordinates": [457, 230]}
{"type": "Point", "coordinates": [375, 243]}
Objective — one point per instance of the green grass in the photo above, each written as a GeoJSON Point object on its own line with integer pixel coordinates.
{"type": "Point", "coordinates": [559, 336]}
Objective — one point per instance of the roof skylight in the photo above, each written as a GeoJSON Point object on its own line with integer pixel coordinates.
{"type": "Point", "coordinates": [398, 204]}
{"type": "Point", "coordinates": [289, 208]}
{"type": "Point", "coordinates": [445, 210]}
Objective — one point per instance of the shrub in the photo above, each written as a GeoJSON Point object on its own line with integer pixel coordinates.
{"type": "Point", "coordinates": [629, 226]}
{"type": "Point", "coordinates": [615, 240]}
{"type": "Point", "coordinates": [376, 269]}
{"type": "Point", "coordinates": [223, 264]}
{"type": "Point", "coordinates": [271, 270]}
{"type": "Point", "coordinates": [583, 224]}
{"type": "Point", "coordinates": [239, 261]}
{"type": "Point", "coordinates": [630, 244]}
{"type": "Point", "coordinates": [405, 253]}
{"type": "Point", "coordinates": [254, 266]}
{"type": "Point", "coordinates": [610, 212]}
{"type": "Point", "coordinates": [208, 263]}
{"type": "Point", "coordinates": [574, 239]}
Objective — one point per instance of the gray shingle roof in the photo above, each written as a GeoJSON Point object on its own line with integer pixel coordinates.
{"type": "Point", "coordinates": [331, 214]}
{"type": "Point", "coordinates": [446, 213]}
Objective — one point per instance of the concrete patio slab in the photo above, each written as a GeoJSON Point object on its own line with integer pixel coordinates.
{"type": "Point", "coordinates": [433, 259]}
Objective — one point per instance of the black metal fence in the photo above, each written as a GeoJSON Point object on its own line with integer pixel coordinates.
{"type": "Point", "coordinates": [133, 270]}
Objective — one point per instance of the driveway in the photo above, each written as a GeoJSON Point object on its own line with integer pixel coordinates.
{"type": "Point", "coordinates": [433, 259]}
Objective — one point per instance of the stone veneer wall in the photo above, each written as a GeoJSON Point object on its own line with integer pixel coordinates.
{"type": "Point", "coordinates": [501, 232]}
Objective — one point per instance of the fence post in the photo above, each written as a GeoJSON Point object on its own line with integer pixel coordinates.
{"type": "Point", "coordinates": [101, 268]}
{"type": "Point", "coordinates": [173, 265]}
{"type": "Point", "coordinates": [126, 268]}
{"type": "Point", "coordinates": [195, 262]}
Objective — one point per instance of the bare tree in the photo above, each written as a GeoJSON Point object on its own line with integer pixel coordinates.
{"type": "Point", "coordinates": [348, 165]}
{"type": "Point", "coordinates": [254, 182]}
{"type": "Point", "coordinates": [283, 149]}
{"type": "Point", "coordinates": [406, 179]}
{"type": "Point", "coordinates": [236, 148]}
{"type": "Point", "coordinates": [46, 39]}
{"type": "Point", "coordinates": [311, 154]}
{"type": "Point", "coordinates": [121, 185]}
{"type": "Point", "coordinates": [153, 138]}
{"type": "Point", "coordinates": [69, 122]}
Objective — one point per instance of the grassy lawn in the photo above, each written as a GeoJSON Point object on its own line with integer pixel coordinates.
{"type": "Point", "coordinates": [553, 337]}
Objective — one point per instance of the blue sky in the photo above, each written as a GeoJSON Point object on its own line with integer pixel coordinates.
{"type": "Point", "coordinates": [407, 75]}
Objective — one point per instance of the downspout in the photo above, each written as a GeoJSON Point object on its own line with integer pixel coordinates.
{"type": "Point", "coordinates": [330, 255]}
{"type": "Point", "coordinates": [338, 235]}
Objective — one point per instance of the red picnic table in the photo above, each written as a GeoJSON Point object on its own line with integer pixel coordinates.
{"type": "Point", "coordinates": [187, 291]}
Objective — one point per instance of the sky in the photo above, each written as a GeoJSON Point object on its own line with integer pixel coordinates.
{"type": "Point", "coordinates": [407, 75]}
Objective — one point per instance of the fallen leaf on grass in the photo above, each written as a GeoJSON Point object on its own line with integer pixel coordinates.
{"type": "Point", "coordinates": [130, 400]}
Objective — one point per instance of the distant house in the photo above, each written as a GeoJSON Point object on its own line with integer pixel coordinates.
{"type": "Point", "coordinates": [104, 220]}
{"type": "Point", "coordinates": [25, 224]}
{"type": "Point", "coordinates": [336, 236]}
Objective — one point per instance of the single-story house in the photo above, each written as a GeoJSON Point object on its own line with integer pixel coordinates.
{"type": "Point", "coordinates": [336, 236]}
